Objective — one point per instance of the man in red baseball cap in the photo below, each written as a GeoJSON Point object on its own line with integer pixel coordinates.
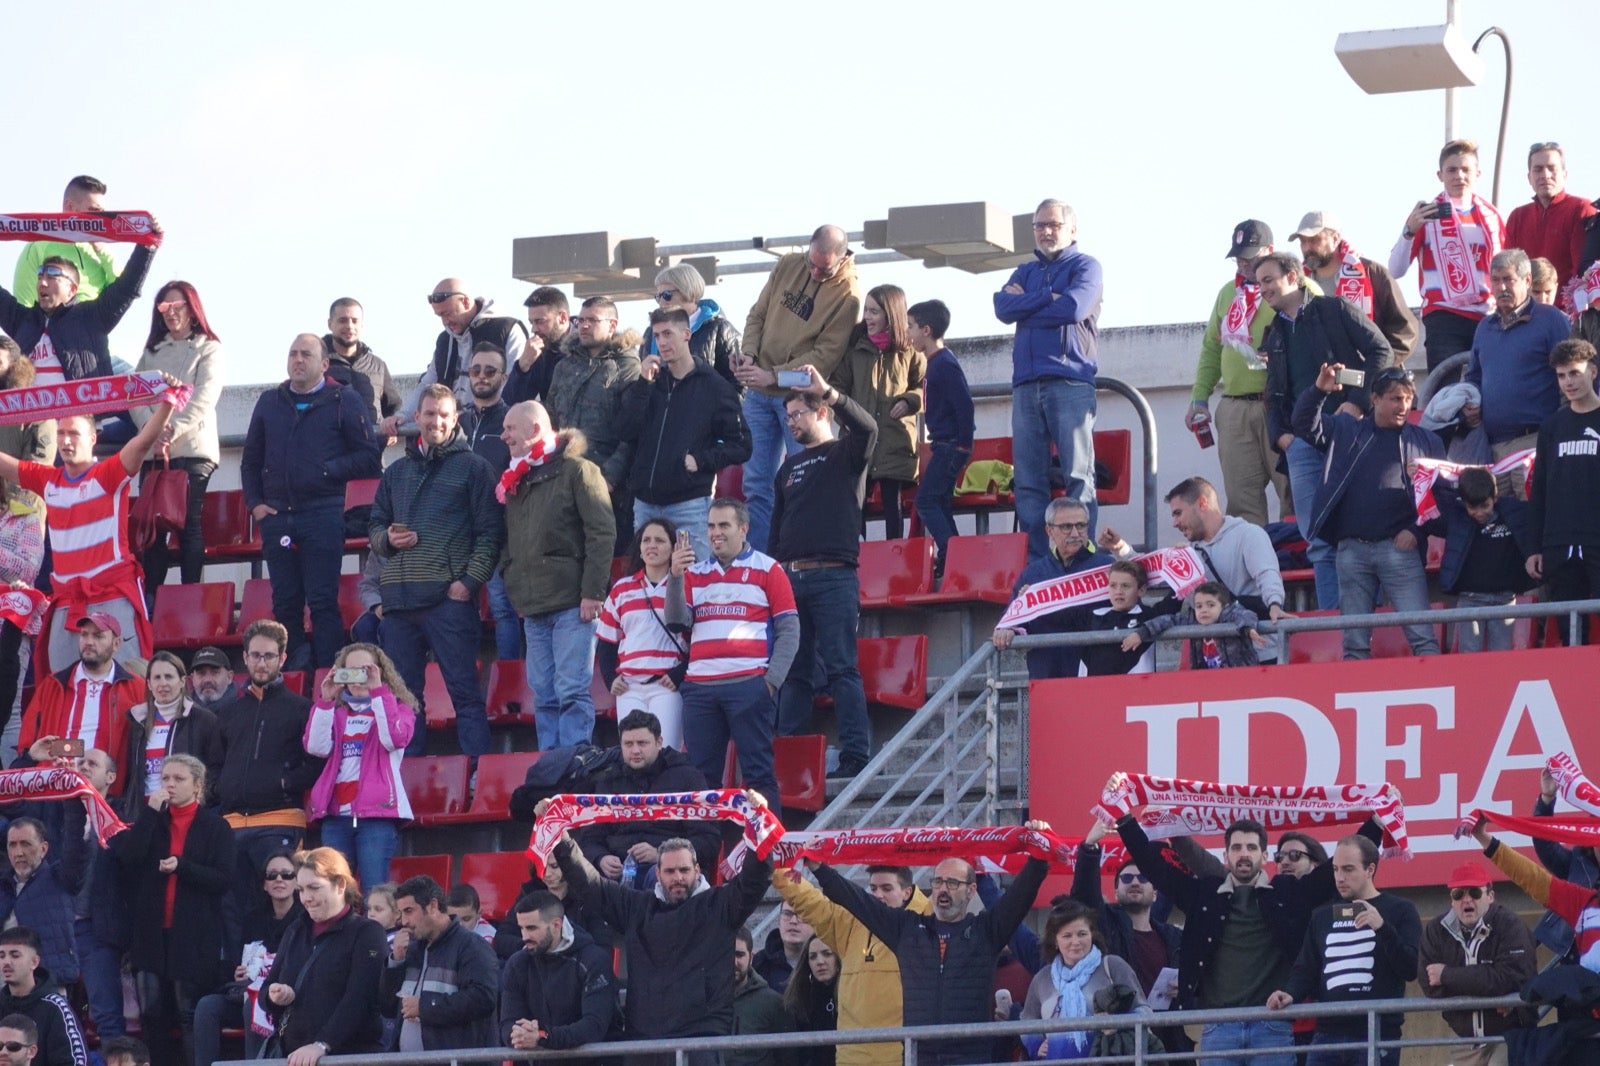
{"type": "Point", "coordinates": [1477, 948]}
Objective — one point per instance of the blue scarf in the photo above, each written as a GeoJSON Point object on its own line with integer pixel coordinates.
{"type": "Point", "coordinates": [1069, 982]}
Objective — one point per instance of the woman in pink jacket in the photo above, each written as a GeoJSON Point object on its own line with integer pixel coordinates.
{"type": "Point", "coordinates": [361, 728]}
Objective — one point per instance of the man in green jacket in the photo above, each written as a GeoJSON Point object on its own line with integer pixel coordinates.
{"type": "Point", "coordinates": [557, 565]}
{"type": "Point", "coordinates": [96, 269]}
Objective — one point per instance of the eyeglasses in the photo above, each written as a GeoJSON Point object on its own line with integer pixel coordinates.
{"type": "Point", "coordinates": [171, 305]}
{"type": "Point", "coordinates": [795, 416]}
{"type": "Point", "coordinates": [1544, 146]}
{"type": "Point", "coordinates": [280, 875]}
{"type": "Point", "coordinates": [1463, 893]}
{"type": "Point", "coordinates": [262, 656]}
{"type": "Point", "coordinates": [1133, 879]}
{"type": "Point", "coordinates": [441, 297]}
{"type": "Point", "coordinates": [14, 1046]}
{"type": "Point", "coordinates": [1068, 527]}
{"type": "Point", "coordinates": [590, 320]}
{"type": "Point", "coordinates": [951, 883]}
{"type": "Point", "coordinates": [483, 371]}
{"type": "Point", "coordinates": [666, 295]}
{"type": "Point", "coordinates": [53, 271]}
{"type": "Point", "coordinates": [1291, 856]}
{"type": "Point", "coordinates": [1048, 225]}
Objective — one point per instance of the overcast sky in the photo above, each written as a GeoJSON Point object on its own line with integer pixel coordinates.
{"type": "Point", "coordinates": [297, 152]}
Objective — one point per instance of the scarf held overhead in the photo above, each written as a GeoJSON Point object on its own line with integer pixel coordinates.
{"type": "Point", "coordinates": [89, 396]}
{"type": "Point", "coordinates": [1177, 568]}
{"type": "Point", "coordinates": [992, 849]}
{"type": "Point", "coordinates": [1571, 785]}
{"type": "Point", "coordinates": [48, 783]}
{"type": "Point", "coordinates": [1199, 807]}
{"type": "Point", "coordinates": [71, 227]}
{"type": "Point", "coordinates": [1430, 470]}
{"type": "Point", "coordinates": [761, 827]}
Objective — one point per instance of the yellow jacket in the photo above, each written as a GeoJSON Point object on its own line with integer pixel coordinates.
{"type": "Point", "coordinates": [869, 974]}
{"type": "Point", "coordinates": [796, 321]}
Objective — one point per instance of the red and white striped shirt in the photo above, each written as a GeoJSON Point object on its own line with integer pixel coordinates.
{"type": "Point", "coordinates": [1471, 250]}
{"type": "Point", "coordinates": [87, 516]}
{"type": "Point", "coordinates": [93, 711]}
{"type": "Point", "coordinates": [634, 618]}
{"type": "Point", "coordinates": [358, 724]}
{"type": "Point", "coordinates": [733, 609]}
{"type": "Point", "coordinates": [47, 368]}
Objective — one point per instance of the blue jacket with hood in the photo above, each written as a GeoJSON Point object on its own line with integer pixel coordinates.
{"type": "Point", "coordinates": [1055, 315]}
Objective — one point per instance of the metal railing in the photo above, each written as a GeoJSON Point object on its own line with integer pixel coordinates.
{"type": "Point", "coordinates": [913, 1039]}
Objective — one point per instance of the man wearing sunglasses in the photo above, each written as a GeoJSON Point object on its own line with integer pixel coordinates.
{"type": "Point", "coordinates": [1365, 505]}
{"type": "Point", "coordinates": [66, 334]}
{"type": "Point", "coordinates": [19, 1040]}
{"type": "Point", "coordinates": [1477, 948]}
{"type": "Point", "coordinates": [467, 322]}
{"type": "Point", "coordinates": [96, 269]}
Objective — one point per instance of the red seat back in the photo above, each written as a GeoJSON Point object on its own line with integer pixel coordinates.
{"type": "Point", "coordinates": [498, 776]}
{"type": "Point", "coordinates": [894, 670]}
{"type": "Point", "coordinates": [225, 520]}
{"type": "Point", "coordinates": [435, 784]}
{"type": "Point", "coordinates": [983, 567]}
{"type": "Point", "coordinates": [730, 482]}
{"type": "Point", "coordinates": [191, 616]}
{"type": "Point", "coordinates": [255, 603]}
{"type": "Point", "coordinates": [350, 600]}
{"type": "Point", "coordinates": [1114, 448]}
{"type": "Point", "coordinates": [498, 877]}
{"type": "Point", "coordinates": [800, 764]}
{"type": "Point", "coordinates": [889, 569]}
{"type": "Point", "coordinates": [509, 696]}
{"type": "Point", "coordinates": [360, 493]}
{"type": "Point", "coordinates": [440, 712]}
{"type": "Point", "coordinates": [437, 867]}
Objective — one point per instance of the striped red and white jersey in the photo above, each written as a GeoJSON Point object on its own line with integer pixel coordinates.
{"type": "Point", "coordinates": [1455, 274]}
{"type": "Point", "coordinates": [87, 517]}
{"type": "Point", "coordinates": [634, 618]}
{"type": "Point", "coordinates": [733, 609]}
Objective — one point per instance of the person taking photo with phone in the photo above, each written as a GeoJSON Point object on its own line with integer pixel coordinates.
{"type": "Point", "coordinates": [360, 723]}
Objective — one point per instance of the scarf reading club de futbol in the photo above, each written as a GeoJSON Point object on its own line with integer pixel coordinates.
{"type": "Point", "coordinates": [71, 227]}
{"type": "Point", "coordinates": [1430, 470]}
{"type": "Point", "coordinates": [1177, 568]}
{"type": "Point", "coordinates": [1235, 326]}
{"type": "Point", "coordinates": [992, 849]}
{"type": "Point", "coordinates": [761, 827]}
{"type": "Point", "coordinates": [1172, 807]}
{"type": "Point", "coordinates": [56, 783]}
{"type": "Point", "coordinates": [1571, 785]}
{"type": "Point", "coordinates": [90, 396]}
{"type": "Point", "coordinates": [1353, 283]}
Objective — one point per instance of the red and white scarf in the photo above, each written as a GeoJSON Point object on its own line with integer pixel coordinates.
{"type": "Point", "coordinates": [992, 849]}
{"type": "Point", "coordinates": [1353, 282]}
{"type": "Point", "coordinates": [89, 396]}
{"type": "Point", "coordinates": [1573, 786]}
{"type": "Point", "coordinates": [24, 608]}
{"type": "Point", "coordinates": [1177, 568]}
{"type": "Point", "coordinates": [1235, 326]}
{"type": "Point", "coordinates": [1430, 470]}
{"type": "Point", "coordinates": [1197, 807]}
{"type": "Point", "coordinates": [1584, 290]}
{"type": "Point", "coordinates": [57, 783]}
{"type": "Point", "coordinates": [762, 829]}
{"type": "Point", "coordinates": [543, 448]}
{"type": "Point", "coordinates": [1455, 266]}
{"type": "Point", "coordinates": [71, 227]}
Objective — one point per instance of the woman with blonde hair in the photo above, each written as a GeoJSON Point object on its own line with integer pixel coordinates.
{"type": "Point", "coordinates": [359, 796]}
{"type": "Point", "coordinates": [322, 990]}
{"type": "Point", "coordinates": [883, 373]}
{"type": "Point", "coordinates": [712, 338]}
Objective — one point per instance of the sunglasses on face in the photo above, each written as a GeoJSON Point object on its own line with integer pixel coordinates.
{"type": "Point", "coordinates": [171, 305]}
{"type": "Point", "coordinates": [1133, 879]}
{"type": "Point", "coordinates": [280, 875]}
{"type": "Point", "coordinates": [666, 295]}
{"type": "Point", "coordinates": [53, 271]}
{"type": "Point", "coordinates": [1291, 856]}
{"type": "Point", "coordinates": [1463, 893]}
{"type": "Point", "coordinates": [14, 1046]}
{"type": "Point", "coordinates": [441, 297]}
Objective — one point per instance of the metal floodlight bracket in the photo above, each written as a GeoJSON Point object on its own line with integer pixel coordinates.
{"type": "Point", "coordinates": [581, 257]}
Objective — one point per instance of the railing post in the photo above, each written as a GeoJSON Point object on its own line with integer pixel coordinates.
{"type": "Point", "coordinates": [991, 749]}
{"type": "Point", "coordinates": [1138, 1041]}
{"type": "Point", "coordinates": [1574, 630]}
{"type": "Point", "coordinates": [1372, 1038]}
{"type": "Point", "coordinates": [911, 1051]}
{"type": "Point", "coordinates": [952, 714]}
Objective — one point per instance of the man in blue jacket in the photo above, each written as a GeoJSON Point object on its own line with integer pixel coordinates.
{"type": "Point", "coordinates": [307, 438]}
{"type": "Point", "coordinates": [1055, 303]}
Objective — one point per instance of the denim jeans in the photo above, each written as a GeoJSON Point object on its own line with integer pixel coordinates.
{"type": "Point", "coordinates": [368, 843]}
{"type": "Point", "coordinates": [214, 1013]}
{"type": "Point", "coordinates": [1366, 566]}
{"type": "Point", "coordinates": [1495, 633]}
{"type": "Point", "coordinates": [1305, 483]}
{"type": "Point", "coordinates": [1043, 412]}
{"type": "Point", "coordinates": [450, 630]}
{"type": "Point", "coordinates": [829, 602]}
{"type": "Point", "coordinates": [770, 441]}
{"type": "Point", "coordinates": [304, 551]}
{"type": "Point", "coordinates": [100, 966]}
{"type": "Point", "coordinates": [368, 629]}
{"type": "Point", "coordinates": [507, 623]}
{"type": "Point", "coordinates": [743, 711]}
{"type": "Point", "coordinates": [936, 492]}
{"type": "Point", "coordinates": [1236, 1036]}
{"type": "Point", "coordinates": [1389, 1056]}
{"type": "Point", "coordinates": [560, 671]}
{"type": "Point", "coordinates": [686, 515]}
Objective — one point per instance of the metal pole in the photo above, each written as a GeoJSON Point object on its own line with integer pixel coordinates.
{"type": "Point", "coordinates": [991, 747]}
{"type": "Point", "coordinates": [1449, 94]}
{"type": "Point", "coordinates": [1505, 102]}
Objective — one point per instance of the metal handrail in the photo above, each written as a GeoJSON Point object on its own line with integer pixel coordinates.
{"type": "Point", "coordinates": [912, 1037]}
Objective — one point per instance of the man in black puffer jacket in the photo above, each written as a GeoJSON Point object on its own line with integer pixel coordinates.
{"type": "Point", "coordinates": [647, 766]}
{"type": "Point", "coordinates": [558, 991]}
{"type": "Point", "coordinates": [947, 958]}
{"type": "Point", "coordinates": [678, 938]}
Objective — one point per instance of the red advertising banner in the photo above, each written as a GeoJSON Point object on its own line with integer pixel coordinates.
{"type": "Point", "coordinates": [1452, 733]}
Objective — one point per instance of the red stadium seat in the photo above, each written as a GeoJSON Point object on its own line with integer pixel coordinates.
{"type": "Point", "coordinates": [498, 876]}
{"type": "Point", "coordinates": [730, 482]}
{"type": "Point", "coordinates": [800, 764]}
{"type": "Point", "coordinates": [437, 867]}
{"type": "Point", "coordinates": [498, 776]}
{"type": "Point", "coordinates": [192, 616]}
{"type": "Point", "coordinates": [360, 493]}
{"type": "Point", "coordinates": [894, 670]}
{"type": "Point", "coordinates": [440, 712]}
{"type": "Point", "coordinates": [619, 568]}
{"type": "Point", "coordinates": [230, 535]}
{"type": "Point", "coordinates": [1114, 448]}
{"type": "Point", "coordinates": [435, 784]}
{"type": "Point", "coordinates": [895, 568]}
{"type": "Point", "coordinates": [254, 604]}
{"type": "Point", "coordinates": [509, 699]}
{"type": "Point", "coordinates": [350, 600]}
{"type": "Point", "coordinates": [982, 568]}
{"type": "Point", "coordinates": [1327, 645]}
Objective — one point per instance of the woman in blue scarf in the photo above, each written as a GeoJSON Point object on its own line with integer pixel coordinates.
{"type": "Point", "coordinates": [1065, 988]}
{"type": "Point", "coordinates": [712, 338]}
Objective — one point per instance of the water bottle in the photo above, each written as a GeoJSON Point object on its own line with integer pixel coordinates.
{"type": "Point", "coordinates": [630, 871]}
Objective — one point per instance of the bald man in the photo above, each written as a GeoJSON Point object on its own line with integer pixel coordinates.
{"type": "Point", "coordinates": [307, 438]}
{"type": "Point", "coordinates": [467, 322]}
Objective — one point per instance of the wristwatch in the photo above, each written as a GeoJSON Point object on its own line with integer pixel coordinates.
{"type": "Point", "coordinates": [323, 1044]}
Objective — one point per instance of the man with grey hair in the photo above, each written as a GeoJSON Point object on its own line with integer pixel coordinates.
{"type": "Point", "coordinates": [1335, 268]}
{"type": "Point", "coordinates": [1510, 358]}
{"type": "Point", "coordinates": [1553, 225]}
{"type": "Point", "coordinates": [467, 321]}
{"type": "Point", "coordinates": [803, 317]}
{"type": "Point", "coordinates": [1054, 301]}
